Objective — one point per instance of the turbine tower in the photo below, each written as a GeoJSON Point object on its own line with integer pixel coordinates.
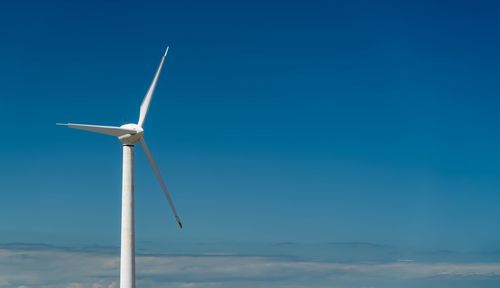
{"type": "Point", "coordinates": [129, 135]}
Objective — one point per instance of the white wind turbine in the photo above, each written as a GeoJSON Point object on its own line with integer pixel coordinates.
{"type": "Point", "coordinates": [129, 134]}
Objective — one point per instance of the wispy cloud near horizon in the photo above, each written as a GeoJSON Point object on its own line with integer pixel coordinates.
{"type": "Point", "coordinates": [57, 267]}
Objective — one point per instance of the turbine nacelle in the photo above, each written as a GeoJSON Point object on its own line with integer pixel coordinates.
{"type": "Point", "coordinates": [132, 138]}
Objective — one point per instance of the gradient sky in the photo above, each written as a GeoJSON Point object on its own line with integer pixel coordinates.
{"type": "Point", "coordinates": [333, 121]}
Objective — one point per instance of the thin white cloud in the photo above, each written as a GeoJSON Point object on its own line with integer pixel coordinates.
{"type": "Point", "coordinates": [23, 267]}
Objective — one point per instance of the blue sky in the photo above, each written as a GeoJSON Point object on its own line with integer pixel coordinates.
{"type": "Point", "coordinates": [308, 123]}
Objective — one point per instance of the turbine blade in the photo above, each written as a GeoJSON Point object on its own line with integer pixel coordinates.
{"type": "Point", "coordinates": [107, 130]}
{"type": "Point", "coordinates": [160, 179]}
{"type": "Point", "coordinates": [149, 94]}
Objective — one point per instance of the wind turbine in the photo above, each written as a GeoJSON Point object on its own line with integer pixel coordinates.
{"type": "Point", "coordinates": [129, 135]}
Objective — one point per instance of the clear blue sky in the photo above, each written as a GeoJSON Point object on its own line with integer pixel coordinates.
{"type": "Point", "coordinates": [272, 122]}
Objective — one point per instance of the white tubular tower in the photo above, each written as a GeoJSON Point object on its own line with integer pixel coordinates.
{"type": "Point", "coordinates": [127, 255]}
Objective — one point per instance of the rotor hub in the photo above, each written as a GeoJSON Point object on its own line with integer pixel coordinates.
{"type": "Point", "coordinates": [131, 139]}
